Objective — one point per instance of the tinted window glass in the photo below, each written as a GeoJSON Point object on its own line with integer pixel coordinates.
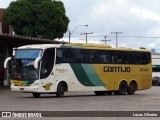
{"type": "Point", "coordinates": [68, 55]}
{"type": "Point", "coordinates": [31, 54]}
{"type": "Point", "coordinates": [47, 62]}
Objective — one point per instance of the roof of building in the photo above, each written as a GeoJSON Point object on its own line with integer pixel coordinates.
{"type": "Point", "coordinates": [17, 40]}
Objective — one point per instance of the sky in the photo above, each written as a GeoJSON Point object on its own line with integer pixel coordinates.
{"type": "Point", "coordinates": [138, 20]}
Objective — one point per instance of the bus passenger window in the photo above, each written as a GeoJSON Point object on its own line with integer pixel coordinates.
{"type": "Point", "coordinates": [79, 58]}
{"type": "Point", "coordinates": [103, 59]}
{"type": "Point", "coordinates": [68, 58]}
{"type": "Point", "coordinates": [92, 59]}
{"type": "Point", "coordinates": [59, 58]}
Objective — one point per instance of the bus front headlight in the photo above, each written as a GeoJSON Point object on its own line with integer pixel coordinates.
{"type": "Point", "coordinates": [34, 84]}
{"type": "Point", "coordinates": [12, 83]}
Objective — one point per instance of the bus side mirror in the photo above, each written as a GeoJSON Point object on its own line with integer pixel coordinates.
{"type": "Point", "coordinates": [36, 62]}
{"type": "Point", "coordinates": [6, 62]}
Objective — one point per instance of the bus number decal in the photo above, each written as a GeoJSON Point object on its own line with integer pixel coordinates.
{"type": "Point", "coordinates": [144, 70]}
{"type": "Point", "coordinates": [116, 69]}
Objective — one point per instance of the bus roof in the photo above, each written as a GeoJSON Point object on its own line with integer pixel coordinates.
{"type": "Point", "coordinates": [90, 45]}
{"type": "Point", "coordinates": [39, 46]}
{"type": "Point", "coordinates": [104, 46]}
{"type": "Point", "coordinates": [81, 45]}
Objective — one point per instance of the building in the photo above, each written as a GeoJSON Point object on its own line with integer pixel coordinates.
{"type": "Point", "coordinates": [4, 28]}
{"type": "Point", "coordinates": [4, 51]}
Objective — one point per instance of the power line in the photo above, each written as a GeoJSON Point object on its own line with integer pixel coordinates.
{"type": "Point", "coordinates": [119, 36]}
{"type": "Point", "coordinates": [139, 36]}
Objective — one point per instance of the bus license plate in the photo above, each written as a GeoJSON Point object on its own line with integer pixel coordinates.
{"type": "Point", "coordinates": [21, 88]}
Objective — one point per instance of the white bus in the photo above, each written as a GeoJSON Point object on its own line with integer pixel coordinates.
{"type": "Point", "coordinates": [55, 68]}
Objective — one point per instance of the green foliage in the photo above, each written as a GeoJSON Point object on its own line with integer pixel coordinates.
{"type": "Point", "coordinates": [37, 18]}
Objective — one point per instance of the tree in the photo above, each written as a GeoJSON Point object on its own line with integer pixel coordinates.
{"type": "Point", "coordinates": [37, 18]}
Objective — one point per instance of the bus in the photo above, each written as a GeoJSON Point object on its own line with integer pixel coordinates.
{"type": "Point", "coordinates": [156, 70]}
{"type": "Point", "coordinates": [59, 68]}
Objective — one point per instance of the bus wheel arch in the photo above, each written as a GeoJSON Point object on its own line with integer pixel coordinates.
{"type": "Point", "coordinates": [61, 88]}
{"type": "Point", "coordinates": [36, 95]}
{"type": "Point", "coordinates": [122, 87]}
{"type": "Point", "coordinates": [100, 93]}
{"type": "Point", "coordinates": [132, 87]}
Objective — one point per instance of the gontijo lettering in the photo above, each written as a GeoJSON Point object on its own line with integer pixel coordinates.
{"type": "Point", "coordinates": [116, 69]}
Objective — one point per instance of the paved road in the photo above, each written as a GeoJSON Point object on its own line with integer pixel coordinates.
{"type": "Point", "coordinates": [146, 100]}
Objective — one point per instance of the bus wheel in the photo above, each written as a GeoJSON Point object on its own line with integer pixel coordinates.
{"type": "Point", "coordinates": [100, 92]}
{"type": "Point", "coordinates": [36, 95]}
{"type": "Point", "coordinates": [122, 88]}
{"type": "Point", "coordinates": [60, 90]}
{"type": "Point", "coordinates": [109, 92]}
{"type": "Point", "coordinates": [132, 88]}
{"type": "Point", "coordinates": [116, 92]}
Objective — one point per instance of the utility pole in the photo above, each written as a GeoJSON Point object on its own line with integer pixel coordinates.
{"type": "Point", "coordinates": [116, 33]}
{"type": "Point", "coordinates": [70, 33]}
{"type": "Point", "coordinates": [105, 39]}
{"type": "Point", "coordinates": [87, 35]}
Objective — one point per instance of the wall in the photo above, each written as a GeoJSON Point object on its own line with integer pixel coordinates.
{"type": "Point", "coordinates": [0, 27]}
{"type": "Point", "coordinates": [4, 28]}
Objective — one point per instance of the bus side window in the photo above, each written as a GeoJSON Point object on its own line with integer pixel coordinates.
{"type": "Point", "coordinates": [113, 59]}
{"type": "Point", "coordinates": [146, 58]}
{"type": "Point", "coordinates": [66, 55]}
{"type": "Point", "coordinates": [130, 58]}
{"type": "Point", "coordinates": [47, 62]}
{"type": "Point", "coordinates": [59, 57]}
{"type": "Point", "coordinates": [86, 57]}
{"type": "Point", "coordinates": [68, 58]}
{"type": "Point", "coordinates": [77, 57]}
{"type": "Point", "coordinates": [121, 57]}
{"type": "Point", "coordinates": [92, 58]}
{"type": "Point", "coordinates": [103, 58]}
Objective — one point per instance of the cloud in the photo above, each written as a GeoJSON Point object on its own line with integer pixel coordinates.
{"type": "Point", "coordinates": [5, 3]}
{"type": "Point", "coordinates": [120, 1]}
{"type": "Point", "coordinates": [145, 14]}
{"type": "Point", "coordinates": [152, 45]}
{"type": "Point", "coordinates": [132, 17]}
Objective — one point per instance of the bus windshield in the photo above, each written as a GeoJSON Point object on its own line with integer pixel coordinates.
{"type": "Point", "coordinates": [23, 64]}
{"type": "Point", "coordinates": [28, 53]}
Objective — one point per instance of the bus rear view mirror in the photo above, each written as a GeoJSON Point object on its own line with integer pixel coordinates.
{"type": "Point", "coordinates": [6, 62]}
{"type": "Point", "coordinates": [36, 62]}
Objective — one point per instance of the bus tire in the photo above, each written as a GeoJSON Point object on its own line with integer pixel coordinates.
{"type": "Point", "coordinates": [116, 92]}
{"type": "Point", "coordinates": [122, 88]}
{"type": "Point", "coordinates": [132, 88]}
{"type": "Point", "coordinates": [109, 92]}
{"type": "Point", "coordinates": [36, 95]}
{"type": "Point", "coordinates": [60, 90]}
{"type": "Point", "coordinates": [100, 92]}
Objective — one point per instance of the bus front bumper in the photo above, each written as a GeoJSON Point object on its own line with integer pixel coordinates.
{"type": "Point", "coordinates": [25, 88]}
